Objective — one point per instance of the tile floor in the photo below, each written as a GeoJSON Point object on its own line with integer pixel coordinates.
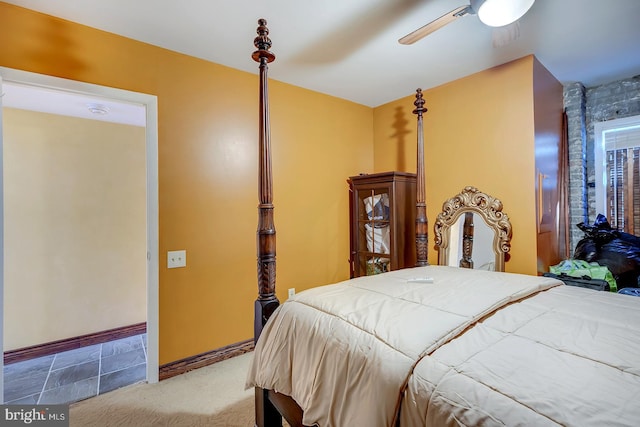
{"type": "Point", "coordinates": [77, 374]}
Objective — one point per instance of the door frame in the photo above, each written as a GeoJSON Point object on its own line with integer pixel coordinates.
{"type": "Point", "coordinates": [150, 102]}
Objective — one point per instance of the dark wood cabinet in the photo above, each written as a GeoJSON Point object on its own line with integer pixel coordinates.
{"type": "Point", "coordinates": [382, 231]}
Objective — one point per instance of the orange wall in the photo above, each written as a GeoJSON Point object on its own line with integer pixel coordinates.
{"type": "Point", "coordinates": [207, 136]}
{"type": "Point", "coordinates": [478, 130]}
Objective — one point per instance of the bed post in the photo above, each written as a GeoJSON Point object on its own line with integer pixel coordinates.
{"type": "Point", "coordinates": [267, 302]}
{"type": "Point", "coordinates": [266, 239]}
{"type": "Point", "coordinates": [422, 225]}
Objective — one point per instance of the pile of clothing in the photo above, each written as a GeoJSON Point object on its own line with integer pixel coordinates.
{"type": "Point", "coordinates": [617, 250]}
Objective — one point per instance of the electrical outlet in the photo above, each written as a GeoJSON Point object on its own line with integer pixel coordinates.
{"type": "Point", "coordinates": [176, 259]}
{"type": "Point", "coordinates": [292, 292]}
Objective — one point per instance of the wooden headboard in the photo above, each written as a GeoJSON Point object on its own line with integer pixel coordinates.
{"type": "Point", "coordinates": [267, 301]}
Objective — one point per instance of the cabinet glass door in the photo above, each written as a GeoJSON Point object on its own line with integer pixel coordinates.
{"type": "Point", "coordinates": [373, 231]}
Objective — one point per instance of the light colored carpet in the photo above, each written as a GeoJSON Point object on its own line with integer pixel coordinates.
{"type": "Point", "coordinates": [209, 396]}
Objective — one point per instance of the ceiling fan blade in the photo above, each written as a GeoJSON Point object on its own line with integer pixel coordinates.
{"type": "Point", "coordinates": [435, 25]}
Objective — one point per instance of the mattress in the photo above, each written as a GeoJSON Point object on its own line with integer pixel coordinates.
{"type": "Point", "coordinates": [443, 346]}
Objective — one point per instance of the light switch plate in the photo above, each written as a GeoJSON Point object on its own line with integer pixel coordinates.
{"type": "Point", "coordinates": [176, 259]}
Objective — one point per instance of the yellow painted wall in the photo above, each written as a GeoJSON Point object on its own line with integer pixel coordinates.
{"type": "Point", "coordinates": [208, 132]}
{"type": "Point", "coordinates": [75, 227]}
{"type": "Point", "coordinates": [478, 130]}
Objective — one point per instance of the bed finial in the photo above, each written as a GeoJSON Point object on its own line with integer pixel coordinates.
{"type": "Point", "coordinates": [263, 43]}
{"type": "Point", "coordinates": [267, 301]}
{"type": "Point", "coordinates": [422, 224]}
{"type": "Point", "coordinates": [419, 103]}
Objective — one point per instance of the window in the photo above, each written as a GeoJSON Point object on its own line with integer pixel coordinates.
{"type": "Point", "coordinates": [617, 164]}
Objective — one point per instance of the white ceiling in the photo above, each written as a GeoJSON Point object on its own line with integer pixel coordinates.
{"type": "Point", "coordinates": [350, 49]}
{"type": "Point", "coordinates": [51, 101]}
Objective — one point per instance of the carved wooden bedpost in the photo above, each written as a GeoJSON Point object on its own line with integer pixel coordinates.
{"type": "Point", "coordinates": [266, 238]}
{"type": "Point", "coordinates": [422, 225]}
{"type": "Point", "coordinates": [267, 302]}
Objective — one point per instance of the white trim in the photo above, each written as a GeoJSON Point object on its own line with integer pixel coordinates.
{"type": "Point", "coordinates": [151, 104]}
{"type": "Point", "coordinates": [1, 251]}
{"type": "Point", "coordinates": [599, 130]}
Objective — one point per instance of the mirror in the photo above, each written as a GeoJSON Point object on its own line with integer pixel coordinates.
{"type": "Point", "coordinates": [471, 243]}
{"type": "Point", "coordinates": [472, 231]}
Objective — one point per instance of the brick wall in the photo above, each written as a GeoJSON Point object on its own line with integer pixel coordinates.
{"type": "Point", "coordinates": [575, 108]}
{"type": "Point", "coordinates": [584, 107]}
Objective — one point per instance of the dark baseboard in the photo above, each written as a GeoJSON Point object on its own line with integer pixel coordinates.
{"type": "Point", "coordinates": [165, 371]}
{"type": "Point", "coordinates": [54, 347]}
{"type": "Point", "coordinates": [198, 361]}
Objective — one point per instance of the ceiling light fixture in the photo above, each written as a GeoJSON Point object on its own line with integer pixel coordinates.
{"type": "Point", "coordinates": [498, 13]}
{"type": "Point", "coordinates": [98, 109]}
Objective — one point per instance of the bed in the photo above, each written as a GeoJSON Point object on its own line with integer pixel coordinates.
{"type": "Point", "coordinates": [436, 345]}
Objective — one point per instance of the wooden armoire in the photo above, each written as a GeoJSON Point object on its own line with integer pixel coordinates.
{"type": "Point", "coordinates": [382, 222]}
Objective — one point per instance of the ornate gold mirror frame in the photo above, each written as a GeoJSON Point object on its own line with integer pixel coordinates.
{"type": "Point", "coordinates": [472, 201]}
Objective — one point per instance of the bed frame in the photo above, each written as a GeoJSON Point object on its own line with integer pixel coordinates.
{"type": "Point", "coordinates": [270, 406]}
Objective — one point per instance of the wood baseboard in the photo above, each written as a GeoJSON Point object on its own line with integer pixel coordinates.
{"type": "Point", "coordinates": [165, 371]}
{"type": "Point", "coordinates": [198, 361]}
{"type": "Point", "coordinates": [27, 353]}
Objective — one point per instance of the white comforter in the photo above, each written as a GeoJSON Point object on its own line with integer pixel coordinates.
{"type": "Point", "coordinates": [472, 348]}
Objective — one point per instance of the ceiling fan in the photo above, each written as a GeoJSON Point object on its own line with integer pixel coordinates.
{"type": "Point", "coordinates": [501, 14]}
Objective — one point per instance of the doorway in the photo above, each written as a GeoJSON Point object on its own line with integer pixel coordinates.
{"type": "Point", "coordinates": [149, 105]}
